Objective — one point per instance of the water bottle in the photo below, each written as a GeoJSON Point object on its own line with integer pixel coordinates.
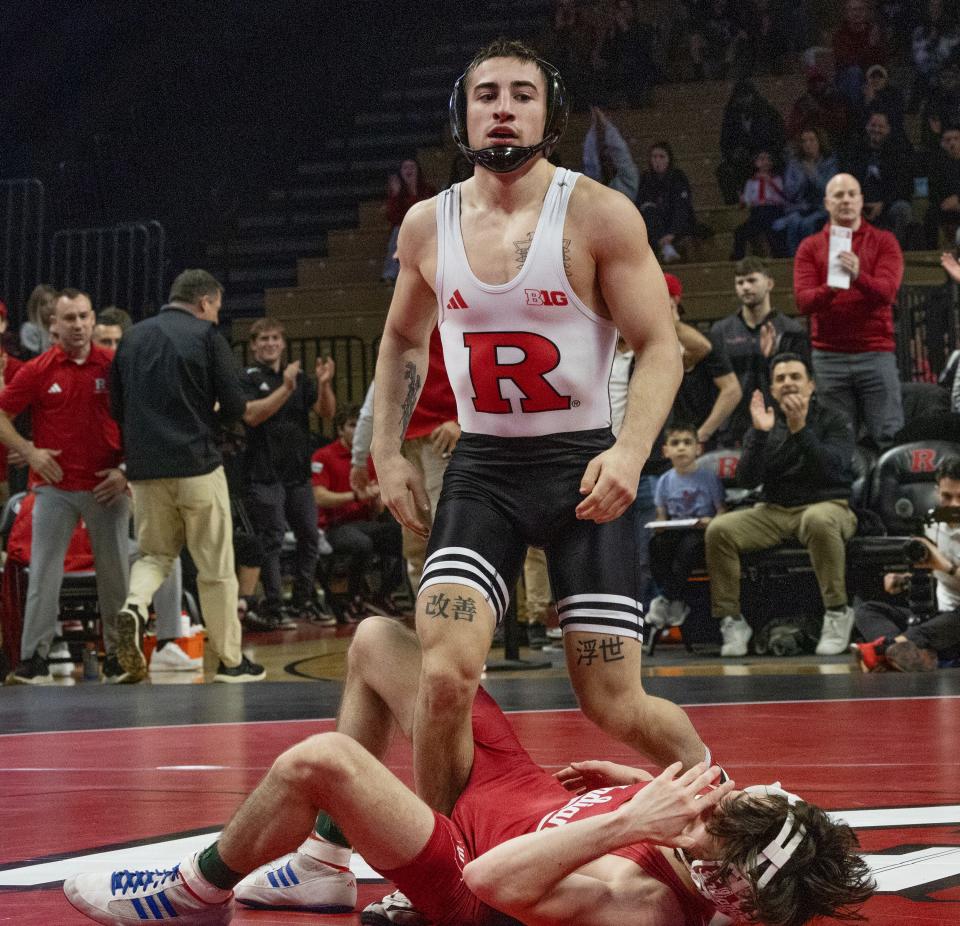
{"type": "Point", "coordinates": [91, 664]}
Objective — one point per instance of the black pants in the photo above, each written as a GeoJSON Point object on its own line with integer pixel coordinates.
{"type": "Point", "coordinates": [673, 556]}
{"type": "Point", "coordinates": [272, 506]}
{"type": "Point", "coordinates": [759, 223]}
{"type": "Point", "coordinates": [940, 632]}
{"type": "Point", "coordinates": [360, 540]}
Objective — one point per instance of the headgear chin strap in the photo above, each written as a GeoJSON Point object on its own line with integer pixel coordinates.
{"type": "Point", "coordinates": [728, 891]}
{"type": "Point", "coordinates": [502, 159]}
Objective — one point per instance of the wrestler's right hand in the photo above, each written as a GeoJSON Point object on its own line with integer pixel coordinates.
{"type": "Point", "coordinates": [402, 490]}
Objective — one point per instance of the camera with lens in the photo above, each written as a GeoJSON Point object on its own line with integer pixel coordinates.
{"type": "Point", "coordinates": [920, 586]}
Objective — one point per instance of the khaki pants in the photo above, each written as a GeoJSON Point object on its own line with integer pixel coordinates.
{"type": "Point", "coordinates": [536, 587]}
{"type": "Point", "coordinates": [823, 528]}
{"type": "Point", "coordinates": [195, 511]}
{"type": "Point", "coordinates": [419, 451]}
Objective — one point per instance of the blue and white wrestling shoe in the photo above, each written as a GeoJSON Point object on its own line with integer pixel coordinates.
{"type": "Point", "coordinates": [302, 881]}
{"type": "Point", "coordinates": [119, 898]}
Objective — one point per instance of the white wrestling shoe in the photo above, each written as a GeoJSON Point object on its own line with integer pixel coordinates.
{"type": "Point", "coordinates": [119, 898]}
{"type": "Point", "coordinates": [394, 910]}
{"type": "Point", "coordinates": [299, 882]}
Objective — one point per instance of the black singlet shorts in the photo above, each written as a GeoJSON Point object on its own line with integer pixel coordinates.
{"type": "Point", "coordinates": [503, 494]}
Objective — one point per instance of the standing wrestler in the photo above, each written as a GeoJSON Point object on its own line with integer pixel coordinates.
{"type": "Point", "coordinates": [534, 269]}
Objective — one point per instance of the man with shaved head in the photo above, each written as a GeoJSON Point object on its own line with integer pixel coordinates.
{"type": "Point", "coordinates": [851, 329]}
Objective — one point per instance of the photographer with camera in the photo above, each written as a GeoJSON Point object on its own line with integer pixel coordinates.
{"type": "Point", "coordinates": [897, 639]}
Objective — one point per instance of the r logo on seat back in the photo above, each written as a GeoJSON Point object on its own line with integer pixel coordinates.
{"type": "Point", "coordinates": [539, 356]}
{"type": "Point", "coordinates": [923, 460]}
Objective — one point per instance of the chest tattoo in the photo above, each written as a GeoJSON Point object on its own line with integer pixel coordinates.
{"type": "Point", "coordinates": [522, 249]}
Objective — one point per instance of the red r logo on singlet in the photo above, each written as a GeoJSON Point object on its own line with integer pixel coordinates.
{"type": "Point", "coordinates": [540, 356]}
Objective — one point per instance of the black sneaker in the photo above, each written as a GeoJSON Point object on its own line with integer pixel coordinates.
{"type": "Point", "coordinates": [311, 611]}
{"type": "Point", "coordinates": [255, 623]}
{"type": "Point", "coordinates": [537, 635]}
{"type": "Point", "coordinates": [113, 672]}
{"type": "Point", "coordinates": [33, 671]}
{"type": "Point", "coordinates": [130, 627]}
{"type": "Point", "coordinates": [247, 671]}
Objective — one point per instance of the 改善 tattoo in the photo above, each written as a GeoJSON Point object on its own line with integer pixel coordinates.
{"type": "Point", "coordinates": [460, 608]}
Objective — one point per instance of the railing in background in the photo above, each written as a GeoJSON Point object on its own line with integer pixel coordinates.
{"type": "Point", "coordinates": [349, 353]}
{"type": "Point", "coordinates": [122, 265]}
{"type": "Point", "coordinates": [927, 327]}
{"type": "Point", "coordinates": [23, 203]}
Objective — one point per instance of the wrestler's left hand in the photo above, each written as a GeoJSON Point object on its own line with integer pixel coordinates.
{"type": "Point", "coordinates": [579, 777]}
{"type": "Point", "coordinates": [403, 492]}
{"type": "Point", "coordinates": [610, 485]}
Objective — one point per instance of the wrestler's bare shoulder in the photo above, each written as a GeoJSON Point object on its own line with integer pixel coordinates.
{"type": "Point", "coordinates": [601, 213]}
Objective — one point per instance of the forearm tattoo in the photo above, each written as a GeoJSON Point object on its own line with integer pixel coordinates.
{"type": "Point", "coordinates": [609, 649]}
{"type": "Point", "coordinates": [458, 608]}
{"type": "Point", "coordinates": [414, 382]}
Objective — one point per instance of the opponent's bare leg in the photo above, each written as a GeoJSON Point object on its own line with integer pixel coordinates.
{"type": "Point", "coordinates": [455, 626]}
{"type": "Point", "coordinates": [605, 673]}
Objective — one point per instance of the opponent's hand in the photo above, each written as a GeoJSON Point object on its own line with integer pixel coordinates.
{"type": "Point", "coordinates": [403, 492]}
{"type": "Point", "coordinates": [444, 438]}
{"type": "Point", "coordinates": [668, 809]}
{"type": "Point", "coordinates": [44, 463]}
{"type": "Point", "coordinates": [761, 416]}
{"type": "Point", "coordinates": [580, 777]}
{"type": "Point", "coordinates": [610, 485]}
{"type": "Point", "coordinates": [112, 486]}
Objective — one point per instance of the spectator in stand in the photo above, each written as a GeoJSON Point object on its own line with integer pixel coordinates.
{"type": "Point", "coordinates": [821, 108]}
{"type": "Point", "coordinates": [112, 324]}
{"type": "Point", "coordinates": [851, 330]}
{"type": "Point", "coordinates": [403, 190]}
{"type": "Point", "coordinates": [857, 44]}
{"type": "Point", "coordinates": [35, 331]}
{"type": "Point", "coordinates": [804, 186]}
{"type": "Point", "coordinates": [800, 451]}
{"type": "Point", "coordinates": [932, 44]}
{"type": "Point", "coordinates": [883, 166]}
{"type": "Point", "coordinates": [708, 395]}
{"type": "Point", "coordinates": [277, 466]}
{"type": "Point", "coordinates": [186, 368]}
{"type": "Point", "coordinates": [624, 56]}
{"type": "Point", "coordinates": [355, 523]}
{"type": "Point", "coordinates": [74, 461]}
{"type": "Point", "coordinates": [749, 337]}
{"type": "Point", "coordinates": [718, 40]}
{"type": "Point", "coordinates": [763, 196]}
{"type": "Point", "coordinates": [9, 365]}
{"type": "Point", "coordinates": [750, 124]}
{"type": "Point", "coordinates": [682, 492]}
{"type": "Point", "coordinates": [943, 211]}
{"type": "Point", "coordinates": [569, 43]}
{"type": "Point", "coordinates": [769, 38]}
{"type": "Point", "coordinates": [606, 156]}
{"type": "Point", "coordinates": [664, 201]}
{"type": "Point", "coordinates": [880, 96]}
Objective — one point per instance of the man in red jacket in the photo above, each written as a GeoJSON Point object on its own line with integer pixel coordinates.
{"type": "Point", "coordinates": [851, 330]}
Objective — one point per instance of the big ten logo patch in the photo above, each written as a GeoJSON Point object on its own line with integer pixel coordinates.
{"type": "Point", "coordinates": [522, 357]}
{"type": "Point", "coordinates": [551, 297]}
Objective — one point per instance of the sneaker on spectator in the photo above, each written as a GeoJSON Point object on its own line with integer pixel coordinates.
{"type": "Point", "coordinates": [906, 656]}
{"type": "Point", "coordinates": [835, 635]}
{"type": "Point", "coordinates": [677, 612]}
{"type": "Point", "coordinates": [113, 672]}
{"type": "Point", "coordinates": [247, 671]}
{"type": "Point", "coordinates": [871, 657]}
{"type": "Point", "coordinates": [354, 611]}
{"type": "Point", "coordinates": [60, 660]}
{"type": "Point", "coordinates": [130, 627]}
{"type": "Point", "coordinates": [669, 254]}
{"type": "Point", "coordinates": [119, 897]}
{"type": "Point", "coordinates": [554, 633]}
{"type": "Point", "coordinates": [536, 635]}
{"type": "Point", "coordinates": [396, 909]}
{"type": "Point", "coordinates": [32, 671]}
{"type": "Point", "coordinates": [323, 547]}
{"type": "Point", "coordinates": [251, 619]}
{"type": "Point", "coordinates": [736, 633]}
{"type": "Point", "coordinates": [311, 611]}
{"type": "Point", "coordinates": [299, 882]}
{"type": "Point", "coordinates": [173, 659]}
{"type": "Point", "coordinates": [658, 613]}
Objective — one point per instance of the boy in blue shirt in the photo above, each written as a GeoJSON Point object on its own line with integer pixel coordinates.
{"type": "Point", "coordinates": [683, 492]}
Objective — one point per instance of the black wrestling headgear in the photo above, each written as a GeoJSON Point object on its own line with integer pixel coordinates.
{"type": "Point", "coordinates": [504, 158]}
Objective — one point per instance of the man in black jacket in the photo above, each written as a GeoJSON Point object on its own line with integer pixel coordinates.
{"type": "Point", "coordinates": [801, 453]}
{"type": "Point", "coordinates": [173, 383]}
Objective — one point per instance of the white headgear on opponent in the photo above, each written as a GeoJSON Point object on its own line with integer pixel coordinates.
{"type": "Point", "coordinates": [728, 891]}
{"type": "Point", "coordinates": [504, 158]}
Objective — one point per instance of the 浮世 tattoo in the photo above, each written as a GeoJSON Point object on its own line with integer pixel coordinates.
{"type": "Point", "coordinates": [609, 649]}
{"type": "Point", "coordinates": [414, 382]}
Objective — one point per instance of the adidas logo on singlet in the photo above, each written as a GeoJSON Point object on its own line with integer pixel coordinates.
{"type": "Point", "coordinates": [457, 301]}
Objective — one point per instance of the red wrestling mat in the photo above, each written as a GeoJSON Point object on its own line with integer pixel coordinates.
{"type": "Point", "coordinates": [890, 765]}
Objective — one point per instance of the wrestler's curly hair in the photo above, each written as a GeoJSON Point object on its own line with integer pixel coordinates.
{"type": "Point", "coordinates": [506, 48]}
{"type": "Point", "coordinates": [825, 876]}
